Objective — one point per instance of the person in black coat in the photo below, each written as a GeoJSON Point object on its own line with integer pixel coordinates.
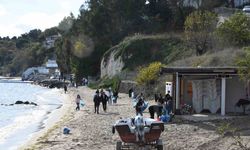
{"type": "Point", "coordinates": [138, 106]}
{"type": "Point", "coordinates": [104, 100]}
{"type": "Point", "coordinates": [65, 88]}
{"type": "Point", "coordinates": [97, 101]}
{"type": "Point", "coordinates": [130, 92]}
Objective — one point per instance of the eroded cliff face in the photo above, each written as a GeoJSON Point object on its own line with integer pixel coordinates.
{"type": "Point", "coordinates": [110, 65]}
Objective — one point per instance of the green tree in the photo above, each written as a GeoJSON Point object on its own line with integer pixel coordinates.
{"type": "Point", "coordinates": [66, 23]}
{"type": "Point", "coordinates": [235, 30]}
{"type": "Point", "coordinates": [243, 62]}
{"type": "Point", "coordinates": [199, 28]}
{"type": "Point", "coordinates": [64, 54]}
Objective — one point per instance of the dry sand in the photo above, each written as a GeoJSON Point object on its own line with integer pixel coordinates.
{"type": "Point", "coordinates": [90, 131]}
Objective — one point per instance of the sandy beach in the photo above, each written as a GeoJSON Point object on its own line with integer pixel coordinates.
{"type": "Point", "coordinates": [90, 131]}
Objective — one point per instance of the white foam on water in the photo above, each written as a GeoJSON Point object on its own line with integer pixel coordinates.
{"type": "Point", "coordinates": [19, 122]}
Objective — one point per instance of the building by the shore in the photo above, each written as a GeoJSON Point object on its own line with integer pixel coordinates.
{"type": "Point", "coordinates": [50, 69]}
{"type": "Point", "coordinates": [208, 89]}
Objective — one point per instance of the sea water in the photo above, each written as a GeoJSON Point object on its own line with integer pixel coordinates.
{"type": "Point", "coordinates": [19, 122]}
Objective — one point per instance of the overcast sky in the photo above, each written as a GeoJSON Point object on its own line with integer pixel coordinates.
{"type": "Point", "coordinates": [21, 16]}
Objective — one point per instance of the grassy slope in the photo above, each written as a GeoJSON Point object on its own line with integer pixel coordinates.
{"type": "Point", "coordinates": [140, 50]}
{"type": "Point", "coordinates": [224, 58]}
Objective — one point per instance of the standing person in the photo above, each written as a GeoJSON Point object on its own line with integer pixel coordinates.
{"type": "Point", "coordinates": [169, 105]}
{"type": "Point", "coordinates": [104, 100]}
{"type": "Point", "coordinates": [160, 100]}
{"type": "Point", "coordinates": [167, 96]}
{"type": "Point", "coordinates": [78, 98]}
{"type": "Point", "coordinates": [65, 88]}
{"type": "Point", "coordinates": [156, 97]}
{"type": "Point", "coordinates": [130, 92]}
{"type": "Point", "coordinates": [115, 96]}
{"type": "Point", "coordinates": [110, 95]}
{"type": "Point", "coordinates": [96, 101]}
{"type": "Point", "coordinates": [84, 81]}
{"type": "Point", "coordinates": [138, 106]}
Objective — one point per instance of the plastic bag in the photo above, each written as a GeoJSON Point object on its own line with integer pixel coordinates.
{"type": "Point", "coordinates": [82, 103]}
{"type": "Point", "coordinates": [66, 130]}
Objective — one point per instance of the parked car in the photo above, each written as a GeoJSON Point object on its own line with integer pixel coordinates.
{"type": "Point", "coordinates": [246, 9]}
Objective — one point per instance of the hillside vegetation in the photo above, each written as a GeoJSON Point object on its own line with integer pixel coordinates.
{"type": "Point", "coordinates": [139, 32]}
{"type": "Point", "coordinates": [27, 50]}
{"type": "Point", "coordinates": [142, 49]}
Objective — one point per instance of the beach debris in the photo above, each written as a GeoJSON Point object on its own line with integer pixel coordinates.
{"type": "Point", "coordinates": [66, 130]}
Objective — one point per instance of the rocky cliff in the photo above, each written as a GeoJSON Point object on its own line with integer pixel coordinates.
{"type": "Point", "coordinates": [110, 65]}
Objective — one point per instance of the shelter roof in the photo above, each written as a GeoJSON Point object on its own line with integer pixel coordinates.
{"type": "Point", "coordinates": [200, 70]}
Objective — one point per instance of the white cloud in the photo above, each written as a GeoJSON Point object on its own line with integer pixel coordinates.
{"type": "Point", "coordinates": [40, 20]}
{"type": "Point", "coordinates": [66, 5]}
{"type": "Point", "coordinates": [34, 14]}
{"type": "Point", "coordinates": [10, 30]}
{"type": "Point", "coordinates": [3, 10]}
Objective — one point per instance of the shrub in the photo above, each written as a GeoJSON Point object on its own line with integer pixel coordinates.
{"type": "Point", "coordinates": [243, 62]}
{"type": "Point", "coordinates": [149, 74]}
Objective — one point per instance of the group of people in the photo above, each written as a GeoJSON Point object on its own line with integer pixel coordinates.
{"type": "Point", "coordinates": [85, 81]}
{"type": "Point", "coordinates": [163, 106]}
{"type": "Point", "coordinates": [138, 101]}
{"type": "Point", "coordinates": [166, 102]}
{"type": "Point", "coordinates": [140, 105]}
{"type": "Point", "coordinates": [102, 97]}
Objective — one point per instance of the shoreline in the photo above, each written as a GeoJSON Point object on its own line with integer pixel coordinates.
{"type": "Point", "coordinates": [94, 131]}
{"type": "Point", "coordinates": [52, 120]}
{"type": "Point", "coordinates": [88, 129]}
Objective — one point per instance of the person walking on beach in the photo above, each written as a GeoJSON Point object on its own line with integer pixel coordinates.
{"type": "Point", "coordinates": [65, 88]}
{"type": "Point", "coordinates": [109, 94]}
{"type": "Point", "coordinates": [130, 92]}
{"type": "Point", "coordinates": [78, 98]}
{"type": "Point", "coordinates": [104, 100]}
{"type": "Point", "coordinates": [115, 96]}
{"type": "Point", "coordinates": [97, 101]}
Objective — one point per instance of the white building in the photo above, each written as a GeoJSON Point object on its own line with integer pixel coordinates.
{"type": "Point", "coordinates": [50, 41]}
{"type": "Point", "coordinates": [50, 69]}
{"type": "Point", "coordinates": [28, 73]}
{"type": "Point", "coordinates": [52, 66]}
